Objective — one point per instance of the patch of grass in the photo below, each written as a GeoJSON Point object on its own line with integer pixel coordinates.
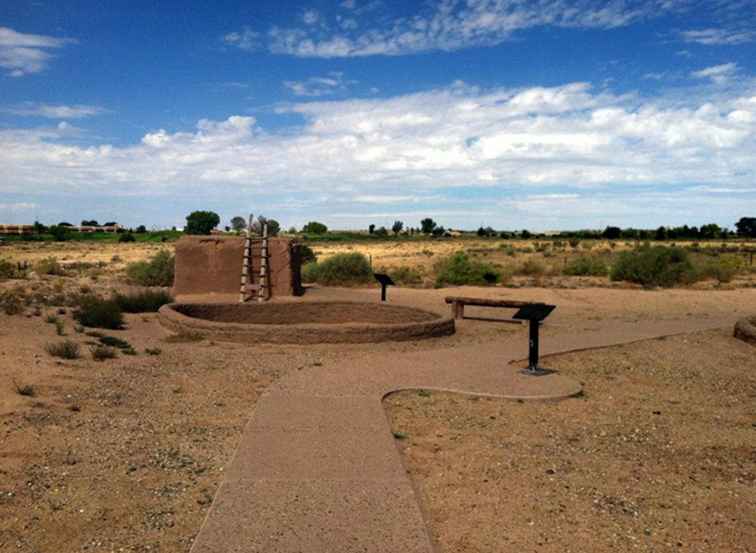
{"type": "Point", "coordinates": [424, 393]}
{"type": "Point", "coordinates": [459, 269]}
{"type": "Point", "coordinates": [129, 351]}
{"type": "Point", "coordinates": [723, 268]}
{"type": "Point", "coordinates": [586, 266]}
{"type": "Point", "coordinates": [145, 301]}
{"type": "Point", "coordinates": [655, 266]}
{"type": "Point", "coordinates": [531, 267]}
{"type": "Point", "coordinates": [101, 352]}
{"type": "Point", "coordinates": [67, 349]}
{"type": "Point", "coordinates": [10, 270]}
{"type": "Point", "coordinates": [153, 351]}
{"type": "Point", "coordinates": [49, 266]}
{"type": "Point", "coordinates": [60, 328]}
{"type": "Point", "coordinates": [158, 271]}
{"type": "Point", "coordinates": [99, 313]}
{"type": "Point", "coordinates": [341, 269]}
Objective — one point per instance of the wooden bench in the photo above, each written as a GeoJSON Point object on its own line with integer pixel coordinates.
{"type": "Point", "coordinates": [458, 305]}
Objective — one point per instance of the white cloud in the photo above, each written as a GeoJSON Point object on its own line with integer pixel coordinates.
{"type": "Point", "coordinates": [22, 54]}
{"type": "Point", "coordinates": [594, 147]}
{"type": "Point", "coordinates": [53, 111]}
{"type": "Point", "coordinates": [19, 206]}
{"type": "Point", "coordinates": [246, 39]}
{"type": "Point", "coordinates": [455, 24]}
{"type": "Point", "coordinates": [719, 74]}
{"type": "Point", "coordinates": [718, 37]}
{"type": "Point", "coordinates": [310, 17]}
{"type": "Point", "coordinates": [313, 87]}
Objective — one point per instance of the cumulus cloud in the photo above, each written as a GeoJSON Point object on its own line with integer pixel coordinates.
{"type": "Point", "coordinates": [718, 74]}
{"type": "Point", "coordinates": [52, 111]}
{"type": "Point", "coordinates": [455, 24]}
{"type": "Point", "coordinates": [332, 83]}
{"type": "Point", "coordinates": [22, 54]}
{"type": "Point", "coordinates": [718, 37]}
{"type": "Point", "coordinates": [406, 149]}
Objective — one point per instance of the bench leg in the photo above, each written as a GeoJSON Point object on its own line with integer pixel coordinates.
{"type": "Point", "coordinates": [458, 310]}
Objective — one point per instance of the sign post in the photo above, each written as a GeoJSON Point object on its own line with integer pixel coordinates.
{"type": "Point", "coordinates": [534, 314]}
{"type": "Point", "coordinates": [385, 281]}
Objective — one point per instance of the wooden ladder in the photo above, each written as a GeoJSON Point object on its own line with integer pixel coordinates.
{"type": "Point", "coordinates": [247, 286]}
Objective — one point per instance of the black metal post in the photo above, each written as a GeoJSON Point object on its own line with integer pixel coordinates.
{"type": "Point", "coordinates": [533, 353]}
{"type": "Point", "coordinates": [383, 291]}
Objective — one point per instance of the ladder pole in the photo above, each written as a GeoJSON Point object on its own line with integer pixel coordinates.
{"type": "Point", "coordinates": [246, 260]}
{"type": "Point", "coordinates": [262, 290]}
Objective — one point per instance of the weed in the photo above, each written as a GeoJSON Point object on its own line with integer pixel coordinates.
{"type": "Point", "coordinates": [531, 267]}
{"type": "Point", "coordinates": [25, 389]}
{"type": "Point", "coordinates": [60, 328]}
{"type": "Point", "coordinates": [129, 351]}
{"type": "Point", "coordinates": [49, 266]}
{"type": "Point", "coordinates": [51, 319]}
{"type": "Point", "coordinates": [424, 393]}
{"type": "Point", "coordinates": [99, 313]}
{"type": "Point", "coordinates": [400, 435]}
{"type": "Point", "coordinates": [66, 349]}
{"type": "Point", "coordinates": [12, 301]}
{"type": "Point", "coordinates": [459, 269]}
{"type": "Point", "coordinates": [153, 351]}
{"type": "Point", "coordinates": [114, 342]}
{"type": "Point", "coordinates": [145, 301]}
{"type": "Point", "coordinates": [586, 266]}
{"type": "Point", "coordinates": [101, 352]}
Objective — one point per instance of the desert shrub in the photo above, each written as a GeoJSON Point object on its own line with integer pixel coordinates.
{"type": "Point", "coordinates": [586, 266]}
{"type": "Point", "coordinates": [99, 313]}
{"type": "Point", "coordinates": [113, 342]}
{"type": "Point", "coordinates": [9, 270]}
{"type": "Point", "coordinates": [654, 266]}
{"type": "Point", "coordinates": [306, 254]}
{"type": "Point", "coordinates": [158, 271]}
{"type": "Point", "coordinates": [153, 351]}
{"type": "Point", "coordinates": [531, 267]}
{"type": "Point", "coordinates": [67, 349]}
{"type": "Point", "coordinates": [60, 328]}
{"type": "Point", "coordinates": [342, 268]}
{"type": "Point", "coordinates": [101, 352]}
{"type": "Point", "coordinates": [574, 243]}
{"type": "Point", "coordinates": [12, 301]}
{"type": "Point", "coordinates": [458, 269]}
{"type": "Point", "coordinates": [723, 268]}
{"type": "Point", "coordinates": [24, 389]}
{"type": "Point", "coordinates": [49, 266]}
{"type": "Point", "coordinates": [404, 275]}
{"type": "Point", "coordinates": [145, 301]}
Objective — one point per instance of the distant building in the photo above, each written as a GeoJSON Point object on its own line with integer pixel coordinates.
{"type": "Point", "coordinates": [16, 229]}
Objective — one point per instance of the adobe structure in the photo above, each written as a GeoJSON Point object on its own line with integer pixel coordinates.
{"type": "Point", "coordinates": [213, 265]}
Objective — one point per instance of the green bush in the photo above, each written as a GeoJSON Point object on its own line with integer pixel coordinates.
{"type": "Point", "coordinates": [66, 349]}
{"type": "Point", "coordinates": [723, 268]}
{"type": "Point", "coordinates": [113, 342]}
{"type": "Point", "coordinates": [458, 269]}
{"type": "Point", "coordinates": [306, 254]}
{"type": "Point", "coordinates": [99, 313]}
{"type": "Point", "coordinates": [145, 301]}
{"type": "Point", "coordinates": [12, 301]}
{"type": "Point", "coordinates": [403, 275]}
{"type": "Point", "coordinates": [158, 271]}
{"type": "Point", "coordinates": [654, 266]}
{"type": "Point", "coordinates": [314, 227]}
{"type": "Point", "coordinates": [586, 266]}
{"type": "Point", "coordinates": [126, 237]}
{"type": "Point", "coordinates": [342, 268]}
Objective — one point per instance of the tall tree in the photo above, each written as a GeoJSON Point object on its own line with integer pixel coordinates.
{"type": "Point", "coordinates": [238, 223]}
{"type": "Point", "coordinates": [397, 227]}
{"type": "Point", "coordinates": [201, 222]}
{"type": "Point", "coordinates": [427, 225]}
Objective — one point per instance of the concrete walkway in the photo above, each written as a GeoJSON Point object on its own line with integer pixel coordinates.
{"type": "Point", "coordinates": [317, 469]}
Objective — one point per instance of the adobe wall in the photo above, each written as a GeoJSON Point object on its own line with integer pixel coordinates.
{"type": "Point", "coordinates": [213, 264]}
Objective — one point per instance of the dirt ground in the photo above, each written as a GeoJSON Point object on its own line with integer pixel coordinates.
{"type": "Point", "coordinates": [125, 454]}
{"type": "Point", "coordinates": [659, 454]}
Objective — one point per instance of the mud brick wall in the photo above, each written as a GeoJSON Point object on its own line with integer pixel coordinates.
{"type": "Point", "coordinates": [213, 264]}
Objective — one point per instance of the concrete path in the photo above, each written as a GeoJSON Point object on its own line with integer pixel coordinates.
{"type": "Point", "coordinates": [317, 469]}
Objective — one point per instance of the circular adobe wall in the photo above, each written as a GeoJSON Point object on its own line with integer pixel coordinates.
{"type": "Point", "coordinates": [304, 322]}
{"type": "Point", "coordinates": [745, 329]}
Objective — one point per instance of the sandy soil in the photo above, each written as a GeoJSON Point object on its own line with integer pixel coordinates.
{"type": "Point", "coordinates": [125, 454]}
{"type": "Point", "coordinates": [658, 455]}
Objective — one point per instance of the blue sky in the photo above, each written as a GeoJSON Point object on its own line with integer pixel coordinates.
{"type": "Point", "coordinates": [546, 114]}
